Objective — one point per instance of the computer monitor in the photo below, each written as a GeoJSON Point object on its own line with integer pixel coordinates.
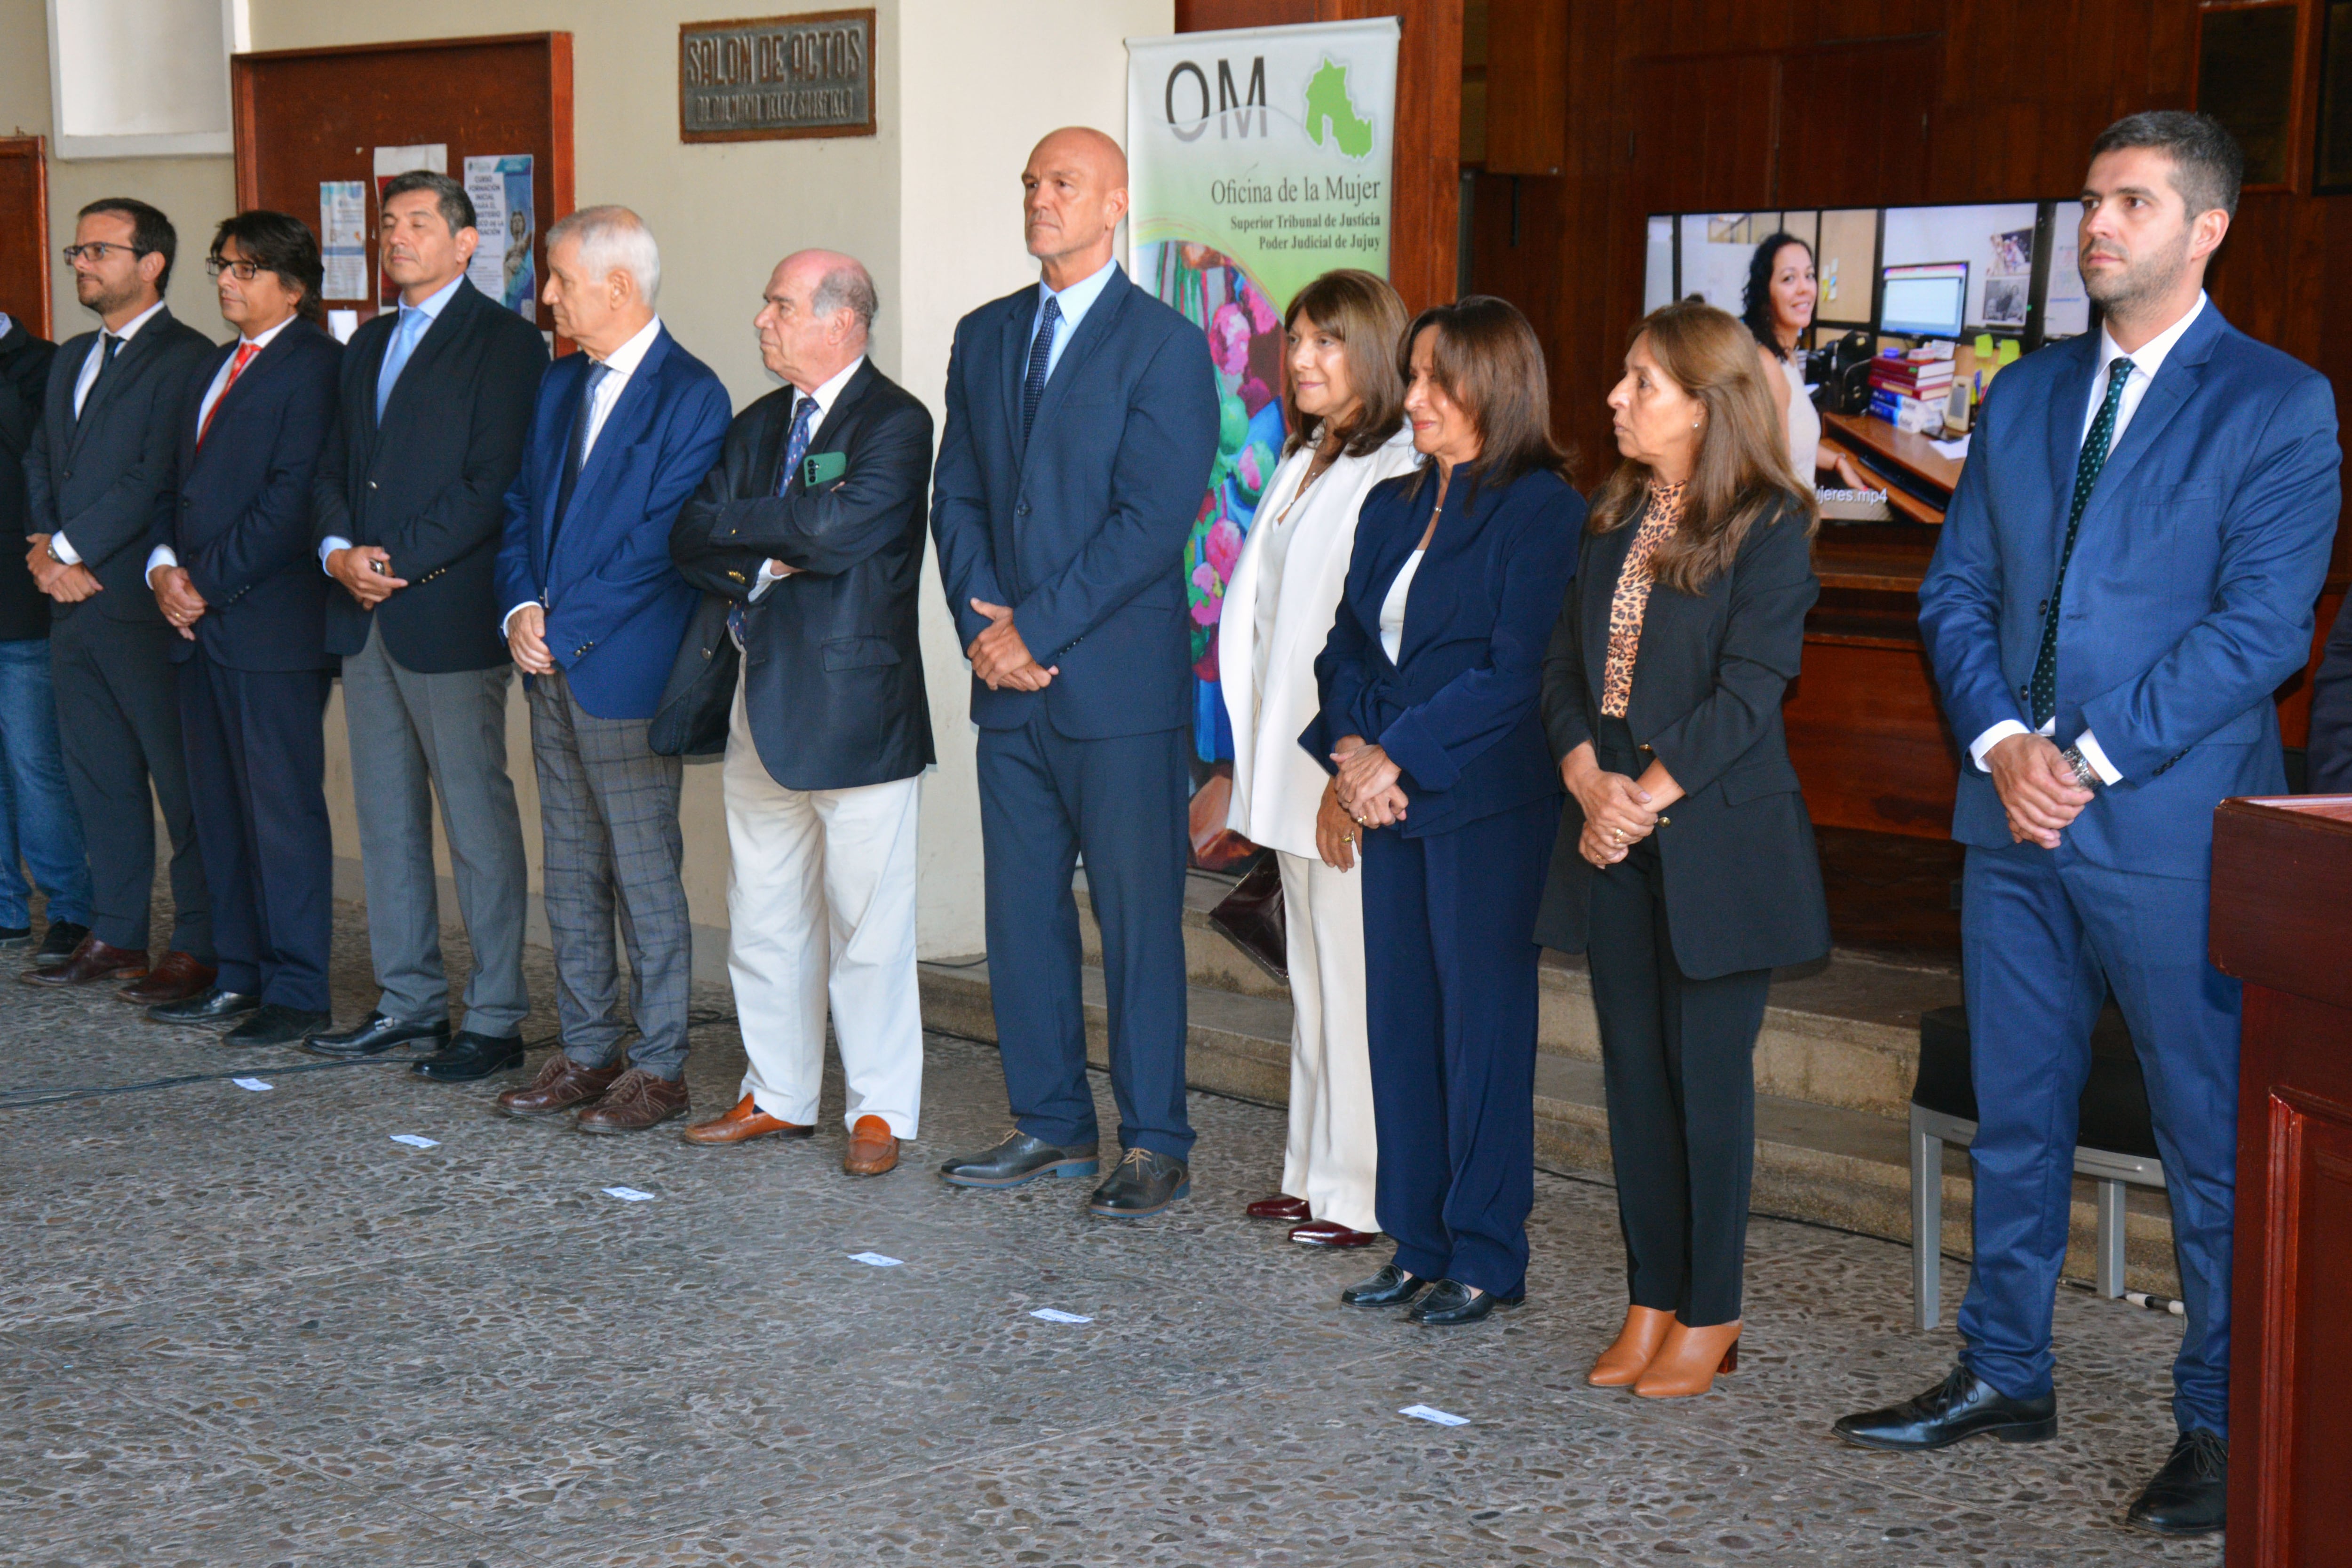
{"type": "Point", "coordinates": [1927, 300]}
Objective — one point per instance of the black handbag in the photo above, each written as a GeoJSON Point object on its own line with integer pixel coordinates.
{"type": "Point", "coordinates": [699, 699]}
{"type": "Point", "coordinates": [1252, 917]}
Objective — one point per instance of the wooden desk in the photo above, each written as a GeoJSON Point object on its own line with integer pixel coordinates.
{"type": "Point", "coordinates": [1914, 455]}
{"type": "Point", "coordinates": [2282, 923]}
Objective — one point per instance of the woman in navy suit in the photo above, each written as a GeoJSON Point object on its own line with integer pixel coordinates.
{"type": "Point", "coordinates": [1429, 683]}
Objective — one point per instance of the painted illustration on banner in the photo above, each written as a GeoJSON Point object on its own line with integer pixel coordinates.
{"type": "Point", "coordinates": [1259, 159]}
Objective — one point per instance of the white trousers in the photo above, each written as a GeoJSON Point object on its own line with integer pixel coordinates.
{"type": "Point", "coordinates": [821, 907]}
{"type": "Point", "coordinates": [1332, 1158]}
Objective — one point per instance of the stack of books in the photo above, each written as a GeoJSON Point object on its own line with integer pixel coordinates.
{"type": "Point", "coordinates": [1909, 391]}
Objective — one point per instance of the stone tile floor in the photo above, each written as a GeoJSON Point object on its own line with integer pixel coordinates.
{"type": "Point", "coordinates": [247, 1327]}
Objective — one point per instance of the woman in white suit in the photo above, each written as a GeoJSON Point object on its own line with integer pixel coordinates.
{"type": "Point", "coordinates": [1347, 434]}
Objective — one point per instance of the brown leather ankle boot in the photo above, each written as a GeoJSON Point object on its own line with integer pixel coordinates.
{"type": "Point", "coordinates": [1637, 1343]}
{"type": "Point", "coordinates": [1690, 1361]}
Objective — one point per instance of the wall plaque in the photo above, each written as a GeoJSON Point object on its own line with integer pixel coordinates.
{"type": "Point", "coordinates": [776, 77]}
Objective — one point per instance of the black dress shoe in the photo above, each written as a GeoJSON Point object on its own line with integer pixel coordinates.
{"type": "Point", "coordinates": [59, 944]}
{"type": "Point", "coordinates": [15, 936]}
{"type": "Point", "coordinates": [216, 1006]}
{"type": "Point", "coordinates": [468, 1057]}
{"type": "Point", "coordinates": [1451, 1302]}
{"type": "Point", "coordinates": [377, 1036]}
{"type": "Point", "coordinates": [1142, 1184]}
{"type": "Point", "coordinates": [1962, 1405]}
{"type": "Point", "coordinates": [2190, 1495]}
{"type": "Point", "coordinates": [1017, 1158]}
{"type": "Point", "coordinates": [272, 1024]}
{"type": "Point", "coordinates": [1392, 1286]}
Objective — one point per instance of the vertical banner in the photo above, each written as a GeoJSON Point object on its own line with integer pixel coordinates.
{"type": "Point", "coordinates": [1259, 159]}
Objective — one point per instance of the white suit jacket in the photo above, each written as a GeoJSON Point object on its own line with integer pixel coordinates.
{"type": "Point", "coordinates": [1276, 785]}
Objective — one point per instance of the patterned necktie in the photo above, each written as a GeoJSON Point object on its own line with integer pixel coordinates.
{"type": "Point", "coordinates": [576, 456]}
{"type": "Point", "coordinates": [1041, 354]}
{"type": "Point", "coordinates": [796, 446]}
{"type": "Point", "coordinates": [2043, 691]}
{"type": "Point", "coordinates": [244, 353]}
{"type": "Point", "coordinates": [404, 333]}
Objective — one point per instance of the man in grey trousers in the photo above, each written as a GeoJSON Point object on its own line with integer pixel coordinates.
{"type": "Point", "coordinates": [433, 404]}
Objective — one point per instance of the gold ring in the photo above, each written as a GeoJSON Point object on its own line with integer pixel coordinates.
{"type": "Point", "coordinates": [1618, 834]}
{"type": "Point", "coordinates": [1346, 838]}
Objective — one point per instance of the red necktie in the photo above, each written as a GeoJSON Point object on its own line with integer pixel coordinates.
{"type": "Point", "coordinates": [244, 353]}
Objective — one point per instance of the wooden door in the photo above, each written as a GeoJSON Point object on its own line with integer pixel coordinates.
{"type": "Point", "coordinates": [25, 233]}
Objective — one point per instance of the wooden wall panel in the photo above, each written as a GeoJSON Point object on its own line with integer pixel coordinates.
{"type": "Point", "coordinates": [1526, 83]}
{"type": "Point", "coordinates": [1855, 122]}
{"type": "Point", "coordinates": [25, 233]}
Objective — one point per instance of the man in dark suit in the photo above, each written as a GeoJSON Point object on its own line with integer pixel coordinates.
{"type": "Point", "coordinates": [1082, 422]}
{"type": "Point", "coordinates": [232, 571]}
{"type": "Point", "coordinates": [99, 458]}
{"type": "Point", "coordinates": [40, 834]}
{"type": "Point", "coordinates": [625, 431]}
{"type": "Point", "coordinates": [831, 729]}
{"type": "Point", "coordinates": [411, 501]}
{"type": "Point", "coordinates": [2125, 574]}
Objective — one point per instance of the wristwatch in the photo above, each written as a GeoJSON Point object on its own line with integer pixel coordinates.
{"type": "Point", "coordinates": [2084, 774]}
{"type": "Point", "coordinates": [52, 548]}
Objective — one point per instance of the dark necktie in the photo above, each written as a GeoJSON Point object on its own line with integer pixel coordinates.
{"type": "Point", "coordinates": [576, 456]}
{"type": "Point", "coordinates": [2043, 689]}
{"type": "Point", "coordinates": [796, 446]}
{"type": "Point", "coordinates": [1041, 354]}
{"type": "Point", "coordinates": [111, 345]}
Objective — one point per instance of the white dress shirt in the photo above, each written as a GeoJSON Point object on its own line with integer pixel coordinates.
{"type": "Point", "coordinates": [824, 397]}
{"type": "Point", "coordinates": [82, 384]}
{"type": "Point", "coordinates": [164, 555]}
{"type": "Point", "coordinates": [431, 306]}
{"type": "Point", "coordinates": [2146, 361]}
{"type": "Point", "coordinates": [619, 366]}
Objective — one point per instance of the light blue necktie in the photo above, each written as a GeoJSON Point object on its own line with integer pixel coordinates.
{"type": "Point", "coordinates": [411, 327]}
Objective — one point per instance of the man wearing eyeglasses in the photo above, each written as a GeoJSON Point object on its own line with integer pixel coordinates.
{"type": "Point", "coordinates": [102, 454]}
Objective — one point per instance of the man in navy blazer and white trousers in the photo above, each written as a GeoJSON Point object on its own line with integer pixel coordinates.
{"type": "Point", "coordinates": [1081, 425]}
{"type": "Point", "coordinates": [2126, 573]}
{"type": "Point", "coordinates": [623, 433]}
{"type": "Point", "coordinates": [232, 571]}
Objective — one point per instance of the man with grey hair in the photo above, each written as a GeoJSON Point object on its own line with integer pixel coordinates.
{"type": "Point", "coordinates": [622, 433]}
{"type": "Point", "coordinates": [812, 529]}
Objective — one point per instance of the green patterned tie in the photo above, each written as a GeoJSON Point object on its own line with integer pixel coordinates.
{"type": "Point", "coordinates": [2043, 688]}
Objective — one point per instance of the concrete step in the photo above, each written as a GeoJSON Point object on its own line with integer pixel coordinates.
{"type": "Point", "coordinates": [1826, 1163]}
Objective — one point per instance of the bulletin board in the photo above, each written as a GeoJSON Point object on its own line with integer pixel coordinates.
{"type": "Point", "coordinates": [25, 233]}
{"type": "Point", "coordinates": [309, 121]}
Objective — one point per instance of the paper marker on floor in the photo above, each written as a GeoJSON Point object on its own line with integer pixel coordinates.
{"type": "Point", "coordinates": [414, 1142]}
{"type": "Point", "coordinates": [251, 1083]}
{"type": "Point", "coordinates": [1435, 1416]}
{"type": "Point", "coordinates": [1054, 1315]}
{"type": "Point", "coordinates": [628, 1194]}
{"type": "Point", "coordinates": [876, 1259]}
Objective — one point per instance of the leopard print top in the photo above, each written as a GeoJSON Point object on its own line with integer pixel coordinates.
{"type": "Point", "coordinates": [1632, 596]}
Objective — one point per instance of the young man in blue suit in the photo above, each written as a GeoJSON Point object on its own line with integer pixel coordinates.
{"type": "Point", "coordinates": [232, 571]}
{"type": "Point", "coordinates": [623, 433]}
{"type": "Point", "coordinates": [2126, 573]}
{"type": "Point", "coordinates": [1081, 425]}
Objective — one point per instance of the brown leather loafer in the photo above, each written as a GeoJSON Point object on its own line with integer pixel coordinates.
{"type": "Point", "coordinates": [561, 1085]}
{"type": "Point", "coordinates": [1331, 1233]}
{"type": "Point", "coordinates": [176, 979]}
{"type": "Point", "coordinates": [873, 1148]}
{"type": "Point", "coordinates": [92, 961]}
{"type": "Point", "coordinates": [740, 1125]}
{"type": "Point", "coordinates": [636, 1101]}
{"type": "Point", "coordinates": [1282, 1207]}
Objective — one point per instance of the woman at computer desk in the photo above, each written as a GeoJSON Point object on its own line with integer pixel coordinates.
{"type": "Point", "coordinates": [1777, 306]}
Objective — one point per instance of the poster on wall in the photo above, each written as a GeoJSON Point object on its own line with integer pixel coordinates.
{"type": "Point", "coordinates": [342, 225]}
{"type": "Point", "coordinates": [500, 188]}
{"type": "Point", "coordinates": [1259, 159]}
{"type": "Point", "coordinates": [432, 156]}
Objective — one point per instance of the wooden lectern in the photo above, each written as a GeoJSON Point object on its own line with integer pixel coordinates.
{"type": "Point", "coordinates": [2282, 923]}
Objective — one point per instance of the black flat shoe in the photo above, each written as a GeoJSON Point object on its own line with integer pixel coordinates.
{"type": "Point", "coordinates": [1450, 1304]}
{"type": "Point", "coordinates": [377, 1036]}
{"type": "Point", "coordinates": [15, 936]}
{"type": "Point", "coordinates": [271, 1025]}
{"type": "Point", "coordinates": [1963, 1405]}
{"type": "Point", "coordinates": [468, 1057]}
{"type": "Point", "coordinates": [1017, 1158]}
{"type": "Point", "coordinates": [1392, 1286]}
{"type": "Point", "coordinates": [215, 1007]}
{"type": "Point", "coordinates": [58, 945]}
{"type": "Point", "coordinates": [2190, 1495]}
{"type": "Point", "coordinates": [1142, 1184]}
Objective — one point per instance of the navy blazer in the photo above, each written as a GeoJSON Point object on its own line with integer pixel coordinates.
{"type": "Point", "coordinates": [1082, 533]}
{"type": "Point", "coordinates": [95, 477]}
{"type": "Point", "coordinates": [428, 483]}
{"type": "Point", "coordinates": [24, 386]}
{"type": "Point", "coordinates": [2187, 602]}
{"type": "Point", "coordinates": [238, 510]}
{"type": "Point", "coordinates": [1457, 710]}
{"type": "Point", "coordinates": [616, 605]}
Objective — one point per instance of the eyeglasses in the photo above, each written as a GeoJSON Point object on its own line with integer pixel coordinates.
{"type": "Point", "coordinates": [96, 250]}
{"type": "Point", "coordinates": [244, 269]}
